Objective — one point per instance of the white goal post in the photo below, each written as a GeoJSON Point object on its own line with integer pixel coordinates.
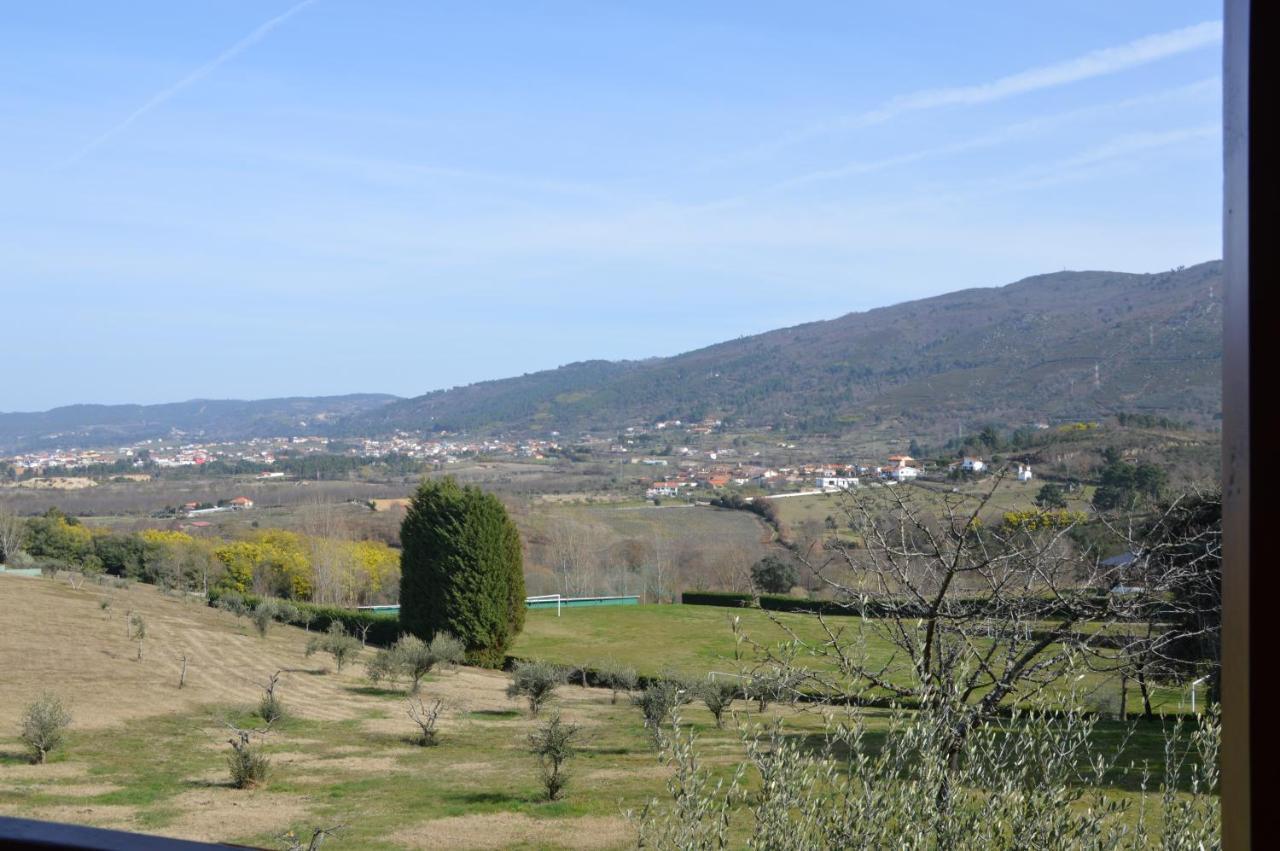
{"type": "Point", "coordinates": [546, 598]}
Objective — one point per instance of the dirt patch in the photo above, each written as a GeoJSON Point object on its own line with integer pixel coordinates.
{"type": "Point", "coordinates": [117, 816]}
{"type": "Point", "coordinates": [209, 814]}
{"type": "Point", "coordinates": [56, 771]}
{"type": "Point", "coordinates": [70, 790]}
{"type": "Point", "coordinates": [500, 830]}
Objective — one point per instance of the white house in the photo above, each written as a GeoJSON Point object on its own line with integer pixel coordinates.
{"type": "Point", "coordinates": [973, 465]}
{"type": "Point", "coordinates": [837, 483]}
{"type": "Point", "coordinates": [1024, 472]}
{"type": "Point", "coordinates": [903, 474]}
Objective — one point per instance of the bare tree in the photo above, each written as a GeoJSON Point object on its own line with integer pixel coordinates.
{"type": "Point", "coordinates": [13, 534]}
{"type": "Point", "coordinates": [972, 614]}
{"type": "Point", "coordinates": [426, 717]}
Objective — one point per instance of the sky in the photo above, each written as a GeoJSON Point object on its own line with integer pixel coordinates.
{"type": "Point", "coordinates": [275, 198]}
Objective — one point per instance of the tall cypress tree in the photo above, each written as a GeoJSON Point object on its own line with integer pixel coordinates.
{"type": "Point", "coordinates": [461, 570]}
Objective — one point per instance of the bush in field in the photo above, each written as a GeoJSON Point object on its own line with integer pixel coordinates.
{"type": "Point", "coordinates": [537, 681]}
{"type": "Point", "coordinates": [286, 612]}
{"type": "Point", "coordinates": [138, 631]}
{"type": "Point", "coordinates": [771, 684]}
{"type": "Point", "coordinates": [426, 717]}
{"type": "Point", "coordinates": [618, 677]}
{"type": "Point", "coordinates": [233, 602]}
{"type": "Point", "coordinates": [773, 575]}
{"type": "Point", "coordinates": [336, 643]}
{"type": "Point", "coordinates": [718, 695]}
{"type": "Point", "coordinates": [413, 658]}
{"type": "Point", "coordinates": [247, 763]}
{"type": "Point", "coordinates": [659, 701]}
{"type": "Point", "coordinates": [461, 570]}
{"type": "Point", "coordinates": [554, 743]}
{"type": "Point", "coordinates": [44, 726]}
{"type": "Point", "coordinates": [262, 616]}
{"type": "Point", "coordinates": [270, 709]}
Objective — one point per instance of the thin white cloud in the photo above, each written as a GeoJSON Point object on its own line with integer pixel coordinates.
{"type": "Point", "coordinates": [1097, 63]}
{"type": "Point", "coordinates": [195, 76]}
{"type": "Point", "coordinates": [1009, 133]}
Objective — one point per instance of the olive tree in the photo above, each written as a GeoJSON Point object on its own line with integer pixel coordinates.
{"type": "Point", "coordinates": [536, 681]}
{"type": "Point", "coordinates": [44, 726]}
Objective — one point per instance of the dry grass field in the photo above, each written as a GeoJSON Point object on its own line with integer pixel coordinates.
{"type": "Point", "coordinates": [144, 755]}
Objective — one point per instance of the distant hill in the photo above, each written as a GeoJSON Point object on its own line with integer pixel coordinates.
{"type": "Point", "coordinates": [1057, 346]}
{"type": "Point", "coordinates": [207, 419]}
{"type": "Point", "coordinates": [1069, 345]}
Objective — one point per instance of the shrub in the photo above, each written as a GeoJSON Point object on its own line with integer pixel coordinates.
{"type": "Point", "coordinates": [137, 631]}
{"type": "Point", "coordinates": [263, 614]}
{"type": "Point", "coordinates": [461, 570]}
{"type": "Point", "coordinates": [769, 684]}
{"type": "Point", "coordinates": [248, 764]}
{"type": "Point", "coordinates": [774, 575]}
{"type": "Point", "coordinates": [426, 718]}
{"type": "Point", "coordinates": [413, 658]}
{"type": "Point", "coordinates": [336, 643]}
{"type": "Point", "coordinates": [270, 709]}
{"type": "Point", "coordinates": [44, 726]}
{"type": "Point", "coordinates": [658, 703]}
{"type": "Point", "coordinates": [554, 743]}
{"type": "Point", "coordinates": [718, 695]}
{"type": "Point", "coordinates": [618, 677]}
{"type": "Point", "coordinates": [233, 602]}
{"type": "Point", "coordinates": [537, 681]}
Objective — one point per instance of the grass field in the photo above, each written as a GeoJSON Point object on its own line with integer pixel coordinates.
{"type": "Point", "coordinates": [144, 755]}
{"type": "Point", "coordinates": [694, 640]}
{"type": "Point", "coordinates": [1010, 496]}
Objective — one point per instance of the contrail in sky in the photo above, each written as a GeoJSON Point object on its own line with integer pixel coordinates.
{"type": "Point", "coordinates": [195, 76]}
{"type": "Point", "coordinates": [1097, 63]}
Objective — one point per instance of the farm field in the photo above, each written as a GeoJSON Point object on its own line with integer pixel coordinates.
{"type": "Point", "coordinates": [146, 756]}
{"type": "Point", "coordinates": [934, 496]}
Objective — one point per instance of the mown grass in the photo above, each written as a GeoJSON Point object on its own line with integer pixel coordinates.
{"type": "Point", "coordinates": [695, 640]}
{"type": "Point", "coordinates": [480, 767]}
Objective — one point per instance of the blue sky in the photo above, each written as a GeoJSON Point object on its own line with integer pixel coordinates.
{"type": "Point", "coordinates": [252, 199]}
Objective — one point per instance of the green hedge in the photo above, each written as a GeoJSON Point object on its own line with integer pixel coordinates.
{"type": "Point", "coordinates": [871, 608]}
{"type": "Point", "coordinates": [384, 628]}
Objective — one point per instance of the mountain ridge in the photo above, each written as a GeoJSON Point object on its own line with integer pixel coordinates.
{"type": "Point", "coordinates": [1054, 346]}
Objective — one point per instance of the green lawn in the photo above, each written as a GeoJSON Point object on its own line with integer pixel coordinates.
{"type": "Point", "coordinates": [694, 640]}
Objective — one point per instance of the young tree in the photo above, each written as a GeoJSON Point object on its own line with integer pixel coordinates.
{"type": "Point", "coordinates": [262, 616]}
{"type": "Point", "coordinates": [618, 678]}
{"type": "Point", "coordinates": [336, 643]}
{"type": "Point", "coordinates": [659, 702]}
{"type": "Point", "coordinates": [247, 763]}
{"type": "Point", "coordinates": [426, 717]}
{"type": "Point", "coordinates": [462, 570]}
{"type": "Point", "coordinates": [537, 681]}
{"type": "Point", "coordinates": [137, 631]}
{"type": "Point", "coordinates": [413, 658]}
{"type": "Point", "coordinates": [718, 696]}
{"type": "Point", "coordinates": [554, 743]}
{"type": "Point", "coordinates": [44, 726]}
{"type": "Point", "coordinates": [270, 709]}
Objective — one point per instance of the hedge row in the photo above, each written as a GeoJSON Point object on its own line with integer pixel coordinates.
{"type": "Point", "coordinates": [384, 628]}
{"type": "Point", "coordinates": [870, 608]}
